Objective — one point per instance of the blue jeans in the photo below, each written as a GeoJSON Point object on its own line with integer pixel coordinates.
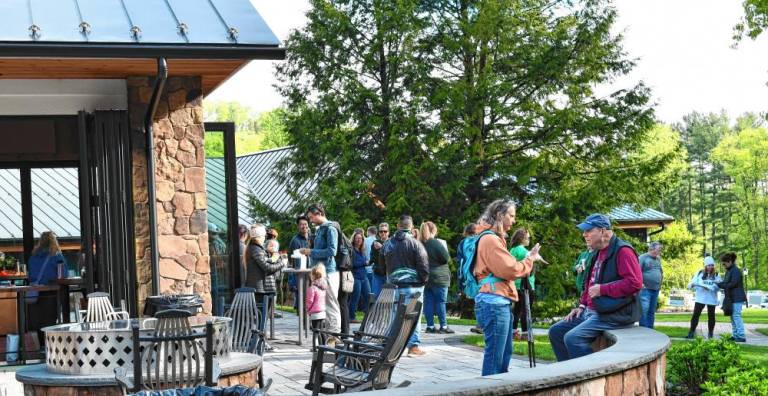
{"type": "Point", "coordinates": [377, 283]}
{"type": "Point", "coordinates": [434, 303]}
{"type": "Point", "coordinates": [409, 292]}
{"type": "Point", "coordinates": [362, 292]}
{"type": "Point", "coordinates": [736, 322]}
{"type": "Point", "coordinates": [648, 301]}
{"type": "Point", "coordinates": [496, 322]}
{"type": "Point", "coordinates": [571, 340]}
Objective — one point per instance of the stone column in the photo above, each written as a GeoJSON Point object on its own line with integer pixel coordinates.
{"type": "Point", "coordinates": [180, 184]}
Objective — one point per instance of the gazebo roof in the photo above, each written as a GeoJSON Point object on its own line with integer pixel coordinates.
{"type": "Point", "coordinates": [627, 214]}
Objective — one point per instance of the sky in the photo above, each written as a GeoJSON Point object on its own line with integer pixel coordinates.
{"type": "Point", "coordinates": [682, 48]}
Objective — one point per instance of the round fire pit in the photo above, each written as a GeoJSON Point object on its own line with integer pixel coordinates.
{"type": "Point", "coordinates": [100, 347]}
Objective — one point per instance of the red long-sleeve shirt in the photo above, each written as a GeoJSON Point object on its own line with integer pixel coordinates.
{"type": "Point", "coordinates": [628, 268]}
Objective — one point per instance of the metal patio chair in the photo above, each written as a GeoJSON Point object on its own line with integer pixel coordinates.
{"type": "Point", "coordinates": [248, 325]}
{"type": "Point", "coordinates": [172, 357]}
{"type": "Point", "coordinates": [100, 309]}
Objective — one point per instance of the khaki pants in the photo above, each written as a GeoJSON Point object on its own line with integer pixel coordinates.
{"type": "Point", "coordinates": [332, 312]}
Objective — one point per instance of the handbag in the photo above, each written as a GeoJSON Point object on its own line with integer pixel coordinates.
{"type": "Point", "coordinates": [347, 282]}
{"type": "Point", "coordinates": [606, 304]}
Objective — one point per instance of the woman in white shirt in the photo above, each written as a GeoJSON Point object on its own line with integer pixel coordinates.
{"type": "Point", "coordinates": [705, 285]}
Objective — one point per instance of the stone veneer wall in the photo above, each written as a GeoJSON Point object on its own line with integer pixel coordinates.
{"type": "Point", "coordinates": [180, 185]}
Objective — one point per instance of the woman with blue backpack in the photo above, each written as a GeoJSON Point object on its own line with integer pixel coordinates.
{"type": "Point", "coordinates": [492, 285]}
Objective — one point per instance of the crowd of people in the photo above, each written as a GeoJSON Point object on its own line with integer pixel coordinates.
{"type": "Point", "coordinates": [617, 288]}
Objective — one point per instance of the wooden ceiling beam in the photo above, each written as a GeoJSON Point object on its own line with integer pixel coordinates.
{"type": "Point", "coordinates": [213, 72]}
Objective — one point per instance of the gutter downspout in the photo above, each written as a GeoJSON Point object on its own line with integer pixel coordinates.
{"type": "Point", "coordinates": [663, 226]}
{"type": "Point", "coordinates": [162, 75]}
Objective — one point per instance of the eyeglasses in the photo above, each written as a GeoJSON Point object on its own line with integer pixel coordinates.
{"type": "Point", "coordinates": [383, 231]}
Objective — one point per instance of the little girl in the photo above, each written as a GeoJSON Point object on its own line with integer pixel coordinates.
{"type": "Point", "coordinates": [316, 297]}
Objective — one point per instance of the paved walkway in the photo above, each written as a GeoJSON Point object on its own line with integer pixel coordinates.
{"type": "Point", "coordinates": [447, 359]}
{"type": "Point", "coordinates": [753, 337]}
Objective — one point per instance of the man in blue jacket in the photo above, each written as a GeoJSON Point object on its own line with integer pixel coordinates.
{"type": "Point", "coordinates": [324, 252]}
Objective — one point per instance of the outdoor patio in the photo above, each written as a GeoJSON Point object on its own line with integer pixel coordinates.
{"type": "Point", "coordinates": [447, 359]}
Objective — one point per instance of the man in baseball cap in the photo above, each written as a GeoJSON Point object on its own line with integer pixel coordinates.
{"type": "Point", "coordinates": [609, 299]}
{"type": "Point", "coordinates": [595, 220]}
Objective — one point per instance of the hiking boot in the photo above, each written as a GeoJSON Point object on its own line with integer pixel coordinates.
{"type": "Point", "coordinates": [430, 330]}
{"type": "Point", "coordinates": [415, 351]}
{"type": "Point", "coordinates": [446, 330]}
{"type": "Point", "coordinates": [692, 334]}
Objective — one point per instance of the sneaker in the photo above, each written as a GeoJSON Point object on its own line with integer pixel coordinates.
{"type": "Point", "coordinates": [415, 351]}
{"type": "Point", "coordinates": [710, 335]}
{"type": "Point", "coordinates": [446, 330]}
{"type": "Point", "coordinates": [692, 335]}
{"type": "Point", "coordinates": [278, 315]}
{"type": "Point", "coordinates": [739, 339]}
{"type": "Point", "coordinates": [430, 330]}
{"type": "Point", "coordinates": [476, 330]}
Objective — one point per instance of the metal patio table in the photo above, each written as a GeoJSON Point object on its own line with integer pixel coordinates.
{"type": "Point", "coordinates": [302, 276]}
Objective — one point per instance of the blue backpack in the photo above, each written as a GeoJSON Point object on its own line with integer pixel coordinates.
{"type": "Point", "coordinates": [466, 254]}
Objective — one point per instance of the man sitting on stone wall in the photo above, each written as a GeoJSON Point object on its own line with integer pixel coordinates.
{"type": "Point", "coordinates": [609, 299]}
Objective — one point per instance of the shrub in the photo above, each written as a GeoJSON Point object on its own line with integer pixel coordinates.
{"type": "Point", "coordinates": [692, 363]}
{"type": "Point", "coordinates": [748, 380]}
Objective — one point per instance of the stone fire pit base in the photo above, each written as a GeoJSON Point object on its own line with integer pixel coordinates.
{"type": "Point", "coordinates": [239, 369]}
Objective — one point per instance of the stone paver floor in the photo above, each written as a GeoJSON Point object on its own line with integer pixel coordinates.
{"type": "Point", "coordinates": [446, 359]}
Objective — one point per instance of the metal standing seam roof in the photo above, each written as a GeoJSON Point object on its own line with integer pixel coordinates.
{"type": "Point", "coordinates": [136, 28]}
{"type": "Point", "coordinates": [217, 201]}
{"type": "Point", "coordinates": [55, 203]}
{"type": "Point", "coordinates": [626, 214]}
{"type": "Point", "coordinates": [261, 171]}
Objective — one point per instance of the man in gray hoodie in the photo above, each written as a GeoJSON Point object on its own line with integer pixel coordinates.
{"type": "Point", "coordinates": [408, 268]}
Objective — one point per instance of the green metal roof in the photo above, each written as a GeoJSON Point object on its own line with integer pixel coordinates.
{"type": "Point", "coordinates": [627, 214]}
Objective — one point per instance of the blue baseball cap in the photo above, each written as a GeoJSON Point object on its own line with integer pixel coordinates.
{"type": "Point", "coordinates": [595, 220]}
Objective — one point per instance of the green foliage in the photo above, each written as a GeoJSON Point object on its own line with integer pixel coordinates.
{"type": "Point", "coordinates": [750, 380]}
{"type": "Point", "coordinates": [271, 126]}
{"type": "Point", "coordinates": [437, 108]}
{"type": "Point", "coordinates": [689, 364]}
{"type": "Point", "coordinates": [744, 160]}
{"type": "Point", "coordinates": [754, 22]}
{"type": "Point", "coordinates": [254, 133]}
{"type": "Point", "coordinates": [681, 256]}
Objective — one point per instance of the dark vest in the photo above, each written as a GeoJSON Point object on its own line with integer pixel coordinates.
{"type": "Point", "coordinates": [609, 273]}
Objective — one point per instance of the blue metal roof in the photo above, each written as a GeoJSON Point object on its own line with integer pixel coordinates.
{"type": "Point", "coordinates": [626, 214]}
{"type": "Point", "coordinates": [135, 26]}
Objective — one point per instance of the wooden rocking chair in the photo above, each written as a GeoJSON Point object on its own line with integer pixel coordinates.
{"type": "Point", "coordinates": [363, 366]}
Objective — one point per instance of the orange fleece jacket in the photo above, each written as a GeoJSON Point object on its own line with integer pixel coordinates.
{"type": "Point", "coordinates": [494, 258]}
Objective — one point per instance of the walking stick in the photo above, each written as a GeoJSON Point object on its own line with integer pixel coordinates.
{"type": "Point", "coordinates": [527, 301]}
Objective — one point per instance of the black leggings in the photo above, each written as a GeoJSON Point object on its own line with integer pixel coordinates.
{"type": "Point", "coordinates": [519, 310]}
{"type": "Point", "coordinates": [697, 308]}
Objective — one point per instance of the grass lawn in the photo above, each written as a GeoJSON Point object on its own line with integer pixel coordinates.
{"type": "Point", "coordinates": [753, 353]}
{"type": "Point", "coordinates": [543, 348]}
{"type": "Point", "coordinates": [671, 331]}
{"type": "Point", "coordinates": [762, 330]}
{"type": "Point", "coordinates": [750, 315]}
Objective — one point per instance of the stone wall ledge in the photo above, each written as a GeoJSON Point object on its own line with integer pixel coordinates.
{"type": "Point", "coordinates": [38, 374]}
{"type": "Point", "coordinates": [631, 347]}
